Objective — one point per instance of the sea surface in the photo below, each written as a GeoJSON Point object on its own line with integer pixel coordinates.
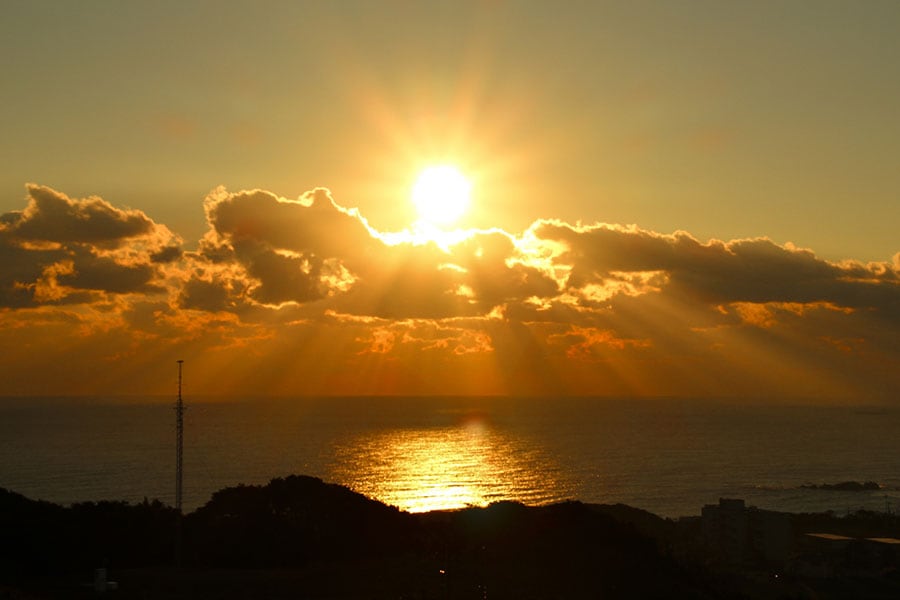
{"type": "Point", "coordinates": [667, 456]}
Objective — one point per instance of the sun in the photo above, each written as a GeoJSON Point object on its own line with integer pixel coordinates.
{"type": "Point", "coordinates": [441, 195]}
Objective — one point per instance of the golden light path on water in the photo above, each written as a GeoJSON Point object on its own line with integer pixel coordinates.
{"type": "Point", "coordinates": [420, 470]}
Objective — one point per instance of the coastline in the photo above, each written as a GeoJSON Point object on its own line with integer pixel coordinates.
{"type": "Point", "coordinates": [301, 531]}
{"type": "Point", "coordinates": [670, 459]}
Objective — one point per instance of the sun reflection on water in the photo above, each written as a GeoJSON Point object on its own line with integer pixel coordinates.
{"type": "Point", "coordinates": [443, 468]}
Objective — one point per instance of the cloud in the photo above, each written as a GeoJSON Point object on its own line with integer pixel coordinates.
{"type": "Point", "coordinates": [54, 217]}
{"type": "Point", "coordinates": [313, 250]}
{"type": "Point", "coordinates": [305, 294]}
{"type": "Point", "coordinates": [60, 250]}
{"type": "Point", "coordinates": [212, 296]}
{"type": "Point", "coordinates": [718, 272]}
{"type": "Point", "coordinates": [167, 254]}
{"type": "Point", "coordinates": [290, 251]}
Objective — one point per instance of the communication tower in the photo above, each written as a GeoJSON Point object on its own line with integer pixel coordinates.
{"type": "Point", "coordinates": [179, 441]}
{"type": "Point", "coordinates": [179, 451]}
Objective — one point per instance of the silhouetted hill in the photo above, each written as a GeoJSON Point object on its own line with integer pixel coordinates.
{"type": "Point", "coordinates": [30, 535]}
{"type": "Point", "coordinates": [567, 550]}
{"type": "Point", "coordinates": [644, 522]}
{"type": "Point", "coordinates": [41, 539]}
{"type": "Point", "coordinates": [300, 537]}
{"type": "Point", "coordinates": [290, 521]}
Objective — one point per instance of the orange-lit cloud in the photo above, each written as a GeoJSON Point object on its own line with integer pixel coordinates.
{"type": "Point", "coordinates": [64, 251]}
{"type": "Point", "coordinates": [303, 296]}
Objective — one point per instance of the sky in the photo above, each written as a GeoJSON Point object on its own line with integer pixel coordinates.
{"type": "Point", "coordinates": [667, 198]}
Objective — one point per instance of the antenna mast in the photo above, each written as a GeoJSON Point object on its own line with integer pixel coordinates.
{"type": "Point", "coordinates": [179, 450]}
{"type": "Point", "coordinates": [179, 441]}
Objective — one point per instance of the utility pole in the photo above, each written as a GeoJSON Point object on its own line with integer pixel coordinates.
{"type": "Point", "coordinates": [179, 451]}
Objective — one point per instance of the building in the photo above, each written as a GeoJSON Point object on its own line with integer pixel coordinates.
{"type": "Point", "coordinates": [738, 535]}
{"type": "Point", "coordinates": [826, 555]}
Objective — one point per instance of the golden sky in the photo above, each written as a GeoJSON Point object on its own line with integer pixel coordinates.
{"type": "Point", "coordinates": [666, 199]}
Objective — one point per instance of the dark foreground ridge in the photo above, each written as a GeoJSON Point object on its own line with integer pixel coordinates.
{"type": "Point", "coordinates": [298, 537]}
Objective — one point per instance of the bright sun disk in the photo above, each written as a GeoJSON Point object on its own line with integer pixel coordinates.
{"type": "Point", "coordinates": [441, 195]}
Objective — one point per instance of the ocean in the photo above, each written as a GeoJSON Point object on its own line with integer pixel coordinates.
{"type": "Point", "coordinates": [669, 457]}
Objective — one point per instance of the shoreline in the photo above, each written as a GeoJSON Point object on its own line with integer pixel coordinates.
{"type": "Point", "coordinates": [300, 532]}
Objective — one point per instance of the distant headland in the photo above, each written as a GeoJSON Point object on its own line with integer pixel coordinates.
{"type": "Point", "coordinates": [844, 486]}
